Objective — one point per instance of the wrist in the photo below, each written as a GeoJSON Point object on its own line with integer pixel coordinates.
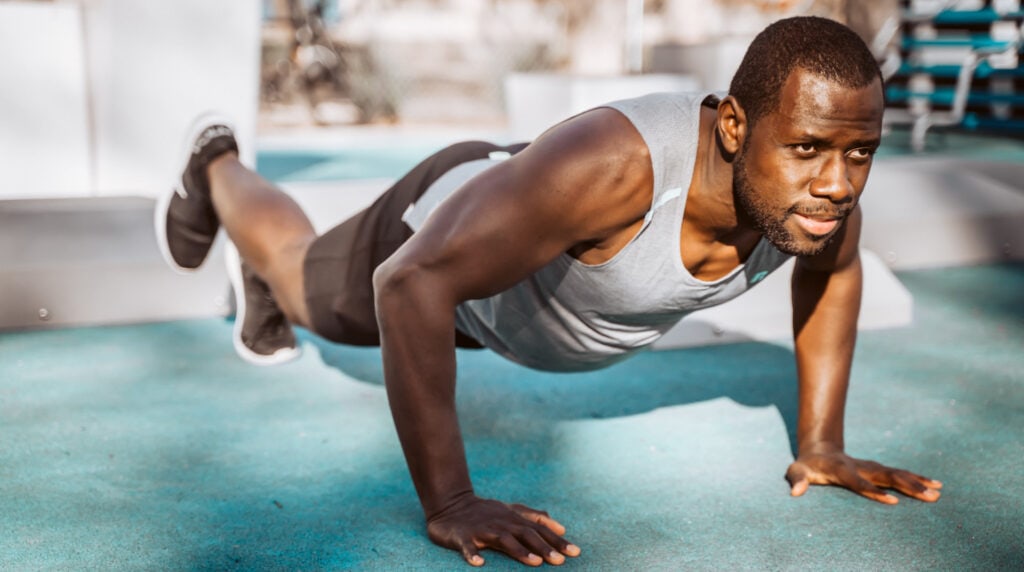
{"type": "Point", "coordinates": [440, 509]}
{"type": "Point", "coordinates": [819, 447]}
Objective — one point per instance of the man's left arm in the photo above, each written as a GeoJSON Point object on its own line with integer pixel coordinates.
{"type": "Point", "coordinates": [826, 292]}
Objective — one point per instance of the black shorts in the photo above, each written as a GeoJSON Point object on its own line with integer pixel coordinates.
{"type": "Point", "coordinates": [338, 270]}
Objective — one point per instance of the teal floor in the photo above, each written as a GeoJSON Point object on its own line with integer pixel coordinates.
{"type": "Point", "coordinates": [153, 447]}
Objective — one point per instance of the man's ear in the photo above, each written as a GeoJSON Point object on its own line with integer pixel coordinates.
{"type": "Point", "coordinates": [732, 125]}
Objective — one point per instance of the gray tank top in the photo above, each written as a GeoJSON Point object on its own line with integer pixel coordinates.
{"type": "Point", "coordinates": [571, 316]}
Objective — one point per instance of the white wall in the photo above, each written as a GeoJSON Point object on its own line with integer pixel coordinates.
{"type": "Point", "coordinates": [97, 94]}
{"type": "Point", "coordinates": [44, 136]}
{"type": "Point", "coordinates": [154, 67]}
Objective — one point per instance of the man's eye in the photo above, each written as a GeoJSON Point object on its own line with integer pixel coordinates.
{"type": "Point", "coordinates": [862, 153]}
{"type": "Point", "coordinates": [805, 148]}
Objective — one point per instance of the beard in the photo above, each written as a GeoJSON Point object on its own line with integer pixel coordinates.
{"type": "Point", "coordinates": [754, 211]}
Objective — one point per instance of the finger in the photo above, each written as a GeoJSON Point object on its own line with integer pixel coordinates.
{"type": "Point", "coordinates": [552, 530]}
{"type": "Point", "coordinates": [470, 552]}
{"type": "Point", "coordinates": [532, 539]}
{"type": "Point", "coordinates": [849, 476]}
{"type": "Point", "coordinates": [914, 486]}
{"type": "Point", "coordinates": [930, 483]}
{"type": "Point", "coordinates": [910, 484]}
{"type": "Point", "coordinates": [929, 495]}
{"type": "Point", "coordinates": [539, 517]}
{"type": "Point", "coordinates": [560, 544]}
{"type": "Point", "coordinates": [799, 488]}
{"type": "Point", "coordinates": [861, 486]}
{"type": "Point", "coordinates": [510, 545]}
{"type": "Point", "coordinates": [879, 468]}
{"type": "Point", "coordinates": [876, 473]}
{"type": "Point", "coordinates": [798, 481]}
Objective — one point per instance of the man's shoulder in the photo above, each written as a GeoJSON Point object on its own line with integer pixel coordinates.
{"type": "Point", "coordinates": [660, 100]}
{"type": "Point", "coordinates": [669, 113]}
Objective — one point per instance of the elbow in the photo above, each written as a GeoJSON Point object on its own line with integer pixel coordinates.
{"type": "Point", "coordinates": [390, 279]}
{"type": "Point", "coordinates": [403, 287]}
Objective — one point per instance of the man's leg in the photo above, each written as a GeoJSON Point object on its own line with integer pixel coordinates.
{"type": "Point", "coordinates": [269, 232]}
{"type": "Point", "coordinates": [285, 270]}
{"type": "Point", "coordinates": [273, 234]}
{"type": "Point", "coordinates": [268, 227]}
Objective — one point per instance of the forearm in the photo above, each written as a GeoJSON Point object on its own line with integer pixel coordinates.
{"type": "Point", "coordinates": [417, 342]}
{"type": "Point", "coordinates": [826, 306]}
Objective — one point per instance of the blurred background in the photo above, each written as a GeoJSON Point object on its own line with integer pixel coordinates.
{"type": "Point", "coordinates": [104, 86]}
{"type": "Point", "coordinates": [429, 61]}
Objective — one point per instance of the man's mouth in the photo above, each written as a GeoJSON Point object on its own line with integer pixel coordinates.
{"type": "Point", "coordinates": [817, 225]}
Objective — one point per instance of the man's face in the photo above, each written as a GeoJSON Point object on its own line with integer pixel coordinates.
{"type": "Point", "coordinates": [801, 169]}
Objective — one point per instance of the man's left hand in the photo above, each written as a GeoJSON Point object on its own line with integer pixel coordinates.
{"type": "Point", "coordinates": [866, 478]}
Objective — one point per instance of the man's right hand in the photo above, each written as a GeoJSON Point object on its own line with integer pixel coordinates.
{"type": "Point", "coordinates": [527, 535]}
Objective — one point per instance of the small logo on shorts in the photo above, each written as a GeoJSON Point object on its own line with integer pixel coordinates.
{"type": "Point", "coordinates": [758, 277]}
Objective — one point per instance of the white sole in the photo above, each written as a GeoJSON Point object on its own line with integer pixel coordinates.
{"type": "Point", "coordinates": [203, 121]}
{"type": "Point", "coordinates": [234, 266]}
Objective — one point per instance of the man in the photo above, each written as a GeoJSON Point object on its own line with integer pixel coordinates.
{"type": "Point", "coordinates": [573, 252]}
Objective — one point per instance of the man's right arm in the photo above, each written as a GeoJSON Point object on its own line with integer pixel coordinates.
{"type": "Point", "coordinates": [578, 183]}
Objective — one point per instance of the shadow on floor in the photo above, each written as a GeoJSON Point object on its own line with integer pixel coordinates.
{"type": "Point", "coordinates": [751, 374]}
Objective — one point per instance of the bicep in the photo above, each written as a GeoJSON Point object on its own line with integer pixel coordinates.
{"type": "Point", "coordinates": [578, 183]}
{"type": "Point", "coordinates": [486, 237]}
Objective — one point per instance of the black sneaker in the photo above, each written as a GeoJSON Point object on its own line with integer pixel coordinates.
{"type": "Point", "coordinates": [186, 224]}
{"type": "Point", "coordinates": [263, 335]}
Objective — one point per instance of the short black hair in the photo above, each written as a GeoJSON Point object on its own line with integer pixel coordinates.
{"type": "Point", "coordinates": [818, 45]}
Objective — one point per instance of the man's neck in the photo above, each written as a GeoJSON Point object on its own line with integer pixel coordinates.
{"type": "Point", "coordinates": [712, 242]}
{"type": "Point", "coordinates": [710, 208]}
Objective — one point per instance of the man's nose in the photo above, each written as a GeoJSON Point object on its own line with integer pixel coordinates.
{"type": "Point", "coordinates": [833, 182]}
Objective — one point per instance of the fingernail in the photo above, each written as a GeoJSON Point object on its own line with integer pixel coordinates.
{"type": "Point", "coordinates": [556, 556]}
{"type": "Point", "coordinates": [532, 556]}
{"type": "Point", "coordinates": [476, 560]}
{"type": "Point", "coordinates": [572, 549]}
